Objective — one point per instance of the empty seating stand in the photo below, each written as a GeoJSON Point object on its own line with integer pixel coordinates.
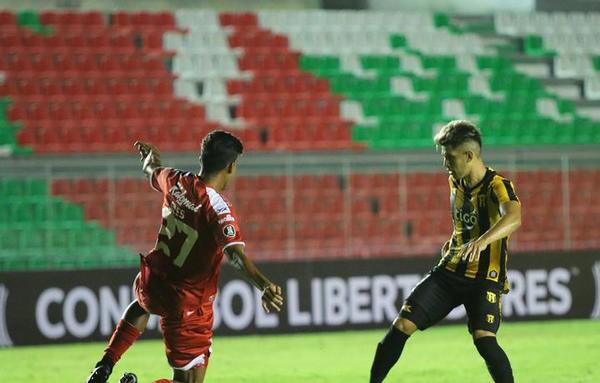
{"type": "Point", "coordinates": [91, 82]}
{"type": "Point", "coordinates": [81, 222]}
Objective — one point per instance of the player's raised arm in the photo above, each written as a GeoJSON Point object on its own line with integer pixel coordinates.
{"type": "Point", "coordinates": [149, 156]}
{"type": "Point", "coordinates": [272, 297]}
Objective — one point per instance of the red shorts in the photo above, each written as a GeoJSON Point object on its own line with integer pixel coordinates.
{"type": "Point", "coordinates": [187, 331]}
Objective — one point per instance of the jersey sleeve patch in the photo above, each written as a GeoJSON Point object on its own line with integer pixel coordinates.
{"type": "Point", "coordinates": [224, 222]}
{"type": "Point", "coordinates": [218, 204]}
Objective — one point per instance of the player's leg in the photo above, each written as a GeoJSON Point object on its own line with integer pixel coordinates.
{"type": "Point", "coordinates": [484, 311]}
{"type": "Point", "coordinates": [132, 324]}
{"type": "Point", "coordinates": [428, 303]}
{"type": "Point", "coordinates": [194, 375]}
{"type": "Point", "coordinates": [188, 340]}
{"type": "Point", "coordinates": [130, 327]}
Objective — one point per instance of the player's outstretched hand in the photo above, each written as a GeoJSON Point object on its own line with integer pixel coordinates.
{"type": "Point", "coordinates": [149, 154]}
{"type": "Point", "coordinates": [145, 149]}
{"type": "Point", "coordinates": [272, 298]}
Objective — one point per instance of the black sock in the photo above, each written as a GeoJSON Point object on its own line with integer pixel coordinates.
{"type": "Point", "coordinates": [387, 354]}
{"type": "Point", "coordinates": [106, 362]}
{"type": "Point", "coordinates": [496, 360]}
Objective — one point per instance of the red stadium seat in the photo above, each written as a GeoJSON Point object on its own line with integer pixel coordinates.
{"type": "Point", "coordinates": [242, 20]}
{"type": "Point", "coordinates": [7, 18]}
{"type": "Point", "coordinates": [165, 20]}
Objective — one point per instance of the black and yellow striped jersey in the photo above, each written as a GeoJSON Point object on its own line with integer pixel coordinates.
{"type": "Point", "coordinates": [474, 210]}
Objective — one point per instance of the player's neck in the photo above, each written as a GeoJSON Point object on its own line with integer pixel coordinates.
{"type": "Point", "coordinates": [216, 182]}
{"type": "Point", "coordinates": [476, 175]}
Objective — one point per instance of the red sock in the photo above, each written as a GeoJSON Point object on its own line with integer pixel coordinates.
{"type": "Point", "coordinates": [122, 338]}
{"type": "Point", "coordinates": [163, 381]}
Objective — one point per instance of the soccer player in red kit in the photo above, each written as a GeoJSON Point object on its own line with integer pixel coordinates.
{"type": "Point", "coordinates": [178, 278]}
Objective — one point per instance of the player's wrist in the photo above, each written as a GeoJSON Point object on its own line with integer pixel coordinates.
{"type": "Point", "coordinates": [265, 286]}
{"type": "Point", "coordinates": [483, 241]}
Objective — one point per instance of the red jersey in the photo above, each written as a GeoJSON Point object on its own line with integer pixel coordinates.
{"type": "Point", "coordinates": [197, 225]}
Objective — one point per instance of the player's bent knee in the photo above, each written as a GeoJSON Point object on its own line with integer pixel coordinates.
{"type": "Point", "coordinates": [405, 325]}
{"type": "Point", "coordinates": [482, 333]}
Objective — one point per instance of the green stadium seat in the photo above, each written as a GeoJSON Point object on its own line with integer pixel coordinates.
{"type": "Point", "coordinates": [380, 62]}
{"type": "Point", "coordinates": [323, 65]}
{"type": "Point", "coordinates": [40, 231]}
{"type": "Point", "coordinates": [510, 120]}
{"type": "Point", "coordinates": [565, 106]}
{"type": "Point", "coordinates": [566, 133]}
{"type": "Point", "coordinates": [439, 63]}
{"type": "Point", "coordinates": [5, 102]}
{"type": "Point", "coordinates": [28, 17]}
{"type": "Point", "coordinates": [33, 240]}
{"type": "Point", "coordinates": [534, 45]}
{"type": "Point", "coordinates": [10, 239]}
{"type": "Point", "coordinates": [441, 19]}
{"type": "Point", "coordinates": [31, 19]}
{"type": "Point", "coordinates": [7, 137]}
{"type": "Point", "coordinates": [361, 133]}
{"type": "Point", "coordinates": [37, 187]}
{"type": "Point", "coordinates": [11, 187]}
{"type": "Point", "coordinates": [398, 41]}
{"type": "Point", "coordinates": [496, 64]}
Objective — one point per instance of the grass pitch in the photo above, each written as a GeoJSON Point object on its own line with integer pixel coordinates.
{"type": "Point", "coordinates": [557, 352]}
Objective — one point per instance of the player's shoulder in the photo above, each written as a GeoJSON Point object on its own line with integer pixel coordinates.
{"type": "Point", "coordinates": [217, 202]}
{"type": "Point", "coordinates": [497, 178]}
{"type": "Point", "coordinates": [183, 173]}
{"type": "Point", "coordinates": [183, 179]}
{"type": "Point", "coordinates": [167, 171]}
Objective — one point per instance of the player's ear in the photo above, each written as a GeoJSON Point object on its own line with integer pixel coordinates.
{"type": "Point", "coordinates": [470, 155]}
{"type": "Point", "coordinates": [231, 168]}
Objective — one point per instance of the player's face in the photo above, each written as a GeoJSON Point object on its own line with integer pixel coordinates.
{"type": "Point", "coordinates": [455, 161]}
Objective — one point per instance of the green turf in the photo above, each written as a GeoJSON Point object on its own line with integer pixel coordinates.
{"type": "Point", "coordinates": [556, 352]}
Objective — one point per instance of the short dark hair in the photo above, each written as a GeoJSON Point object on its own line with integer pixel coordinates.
{"type": "Point", "coordinates": [456, 133]}
{"type": "Point", "coordinates": [219, 150]}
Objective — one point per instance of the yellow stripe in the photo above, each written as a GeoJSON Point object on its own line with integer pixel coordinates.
{"type": "Point", "coordinates": [457, 224]}
{"type": "Point", "coordinates": [495, 247]}
{"type": "Point", "coordinates": [500, 189]}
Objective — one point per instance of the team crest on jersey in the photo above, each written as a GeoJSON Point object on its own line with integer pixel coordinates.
{"type": "Point", "coordinates": [482, 201]}
{"type": "Point", "coordinates": [229, 231]}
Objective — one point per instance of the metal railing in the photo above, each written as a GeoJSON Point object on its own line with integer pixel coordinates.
{"type": "Point", "coordinates": [403, 229]}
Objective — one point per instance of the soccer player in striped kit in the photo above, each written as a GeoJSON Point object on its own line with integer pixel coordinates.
{"type": "Point", "coordinates": [472, 272]}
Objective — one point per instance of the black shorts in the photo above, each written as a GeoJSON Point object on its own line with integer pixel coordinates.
{"type": "Point", "coordinates": [441, 291]}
